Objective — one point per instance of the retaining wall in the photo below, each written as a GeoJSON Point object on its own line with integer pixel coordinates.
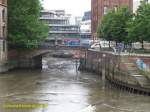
{"type": "Point", "coordinates": [112, 67]}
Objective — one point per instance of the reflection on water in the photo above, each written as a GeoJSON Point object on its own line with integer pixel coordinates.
{"type": "Point", "coordinates": [65, 90]}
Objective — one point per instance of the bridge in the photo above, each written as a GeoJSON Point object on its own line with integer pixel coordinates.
{"type": "Point", "coordinates": [33, 58]}
{"type": "Point", "coordinates": [42, 51]}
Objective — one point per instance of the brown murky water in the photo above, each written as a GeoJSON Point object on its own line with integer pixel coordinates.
{"type": "Point", "coordinates": [65, 90]}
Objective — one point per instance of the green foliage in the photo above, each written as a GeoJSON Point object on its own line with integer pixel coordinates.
{"type": "Point", "coordinates": [113, 26]}
{"type": "Point", "coordinates": [104, 30]}
{"type": "Point", "coordinates": [139, 27]}
{"type": "Point", "coordinates": [24, 27]}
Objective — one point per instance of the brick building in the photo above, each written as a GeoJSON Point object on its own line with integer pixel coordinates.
{"type": "Point", "coordinates": [100, 8]}
{"type": "Point", "coordinates": [3, 31]}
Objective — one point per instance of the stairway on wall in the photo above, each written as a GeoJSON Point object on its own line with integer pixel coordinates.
{"type": "Point", "coordinates": [133, 70]}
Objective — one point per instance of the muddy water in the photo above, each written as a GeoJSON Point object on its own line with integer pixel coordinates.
{"type": "Point", "coordinates": [65, 89]}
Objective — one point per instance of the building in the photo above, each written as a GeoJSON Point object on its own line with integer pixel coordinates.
{"type": "Point", "coordinates": [87, 16]}
{"type": "Point", "coordinates": [78, 20]}
{"type": "Point", "coordinates": [146, 1]}
{"type": "Point", "coordinates": [85, 26]}
{"type": "Point", "coordinates": [62, 32]}
{"type": "Point", "coordinates": [99, 9]}
{"type": "Point", "coordinates": [3, 31]}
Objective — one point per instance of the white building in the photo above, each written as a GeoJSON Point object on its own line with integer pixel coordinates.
{"type": "Point", "coordinates": [85, 26]}
{"type": "Point", "coordinates": [61, 29]}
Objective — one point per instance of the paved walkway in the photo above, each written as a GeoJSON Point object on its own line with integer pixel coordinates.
{"type": "Point", "coordinates": [123, 53]}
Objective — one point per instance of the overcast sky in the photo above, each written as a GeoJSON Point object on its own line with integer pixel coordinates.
{"type": "Point", "coordinates": [74, 7]}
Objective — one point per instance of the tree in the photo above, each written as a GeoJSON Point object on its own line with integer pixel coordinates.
{"type": "Point", "coordinates": [119, 23]}
{"type": "Point", "coordinates": [139, 27]}
{"type": "Point", "coordinates": [104, 30]}
{"type": "Point", "coordinates": [114, 23]}
{"type": "Point", "coordinates": [24, 27]}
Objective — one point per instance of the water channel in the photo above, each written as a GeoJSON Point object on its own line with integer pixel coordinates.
{"type": "Point", "coordinates": [65, 89]}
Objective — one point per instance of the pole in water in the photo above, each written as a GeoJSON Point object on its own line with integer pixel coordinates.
{"type": "Point", "coordinates": [104, 70]}
{"type": "Point", "coordinates": [76, 65]}
{"type": "Point", "coordinates": [76, 57]}
{"type": "Point", "coordinates": [77, 69]}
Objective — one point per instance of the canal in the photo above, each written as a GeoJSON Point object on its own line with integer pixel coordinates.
{"type": "Point", "coordinates": [65, 89]}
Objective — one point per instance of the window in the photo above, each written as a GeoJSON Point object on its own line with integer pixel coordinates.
{"type": "Point", "coordinates": [4, 35]}
{"type": "Point", "coordinates": [146, 1]}
{"type": "Point", "coordinates": [105, 9]}
{"type": "Point", "coordinates": [4, 46]}
{"type": "Point", "coordinates": [115, 8]}
{"type": "Point", "coordinates": [3, 15]}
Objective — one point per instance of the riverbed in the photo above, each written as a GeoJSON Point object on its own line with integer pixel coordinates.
{"type": "Point", "coordinates": [62, 88]}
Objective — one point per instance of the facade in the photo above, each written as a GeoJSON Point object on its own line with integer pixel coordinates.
{"type": "Point", "coordinates": [3, 31]}
{"type": "Point", "coordinates": [87, 16]}
{"type": "Point", "coordinates": [99, 9]}
{"type": "Point", "coordinates": [62, 32]}
{"type": "Point", "coordinates": [78, 20]}
{"type": "Point", "coordinates": [85, 26]}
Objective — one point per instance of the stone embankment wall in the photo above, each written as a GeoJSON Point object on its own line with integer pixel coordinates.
{"type": "Point", "coordinates": [17, 61]}
{"type": "Point", "coordinates": [118, 69]}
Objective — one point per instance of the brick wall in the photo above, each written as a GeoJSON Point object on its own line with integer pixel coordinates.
{"type": "Point", "coordinates": [97, 7]}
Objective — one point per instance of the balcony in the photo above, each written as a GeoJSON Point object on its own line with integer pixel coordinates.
{"type": "Point", "coordinates": [63, 25]}
{"type": "Point", "coordinates": [64, 32]}
{"type": "Point", "coordinates": [54, 18]}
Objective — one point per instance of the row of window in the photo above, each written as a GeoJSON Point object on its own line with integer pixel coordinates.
{"type": "Point", "coordinates": [64, 29]}
{"type": "Point", "coordinates": [64, 35]}
{"type": "Point", "coordinates": [3, 27]}
{"type": "Point", "coordinates": [3, 20]}
{"type": "Point", "coordinates": [3, 45]}
{"type": "Point", "coordinates": [3, 15]}
{"type": "Point", "coordinates": [64, 22]}
{"type": "Point", "coordinates": [106, 9]}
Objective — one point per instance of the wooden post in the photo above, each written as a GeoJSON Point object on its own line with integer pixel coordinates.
{"type": "Point", "coordinates": [104, 70]}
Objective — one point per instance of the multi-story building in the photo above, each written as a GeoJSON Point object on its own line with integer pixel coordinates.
{"type": "Point", "coordinates": [3, 30]}
{"type": "Point", "coordinates": [87, 16]}
{"type": "Point", "coordinates": [85, 26]}
{"type": "Point", "coordinates": [100, 8]}
{"type": "Point", "coordinates": [62, 32]}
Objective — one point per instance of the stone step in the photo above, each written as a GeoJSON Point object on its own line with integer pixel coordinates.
{"type": "Point", "coordinates": [143, 81]}
{"type": "Point", "coordinates": [141, 78]}
{"type": "Point", "coordinates": [133, 69]}
{"type": "Point", "coordinates": [129, 63]}
{"type": "Point", "coordinates": [131, 66]}
{"type": "Point", "coordinates": [137, 75]}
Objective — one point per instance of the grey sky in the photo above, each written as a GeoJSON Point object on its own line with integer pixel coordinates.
{"type": "Point", "coordinates": [75, 7]}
